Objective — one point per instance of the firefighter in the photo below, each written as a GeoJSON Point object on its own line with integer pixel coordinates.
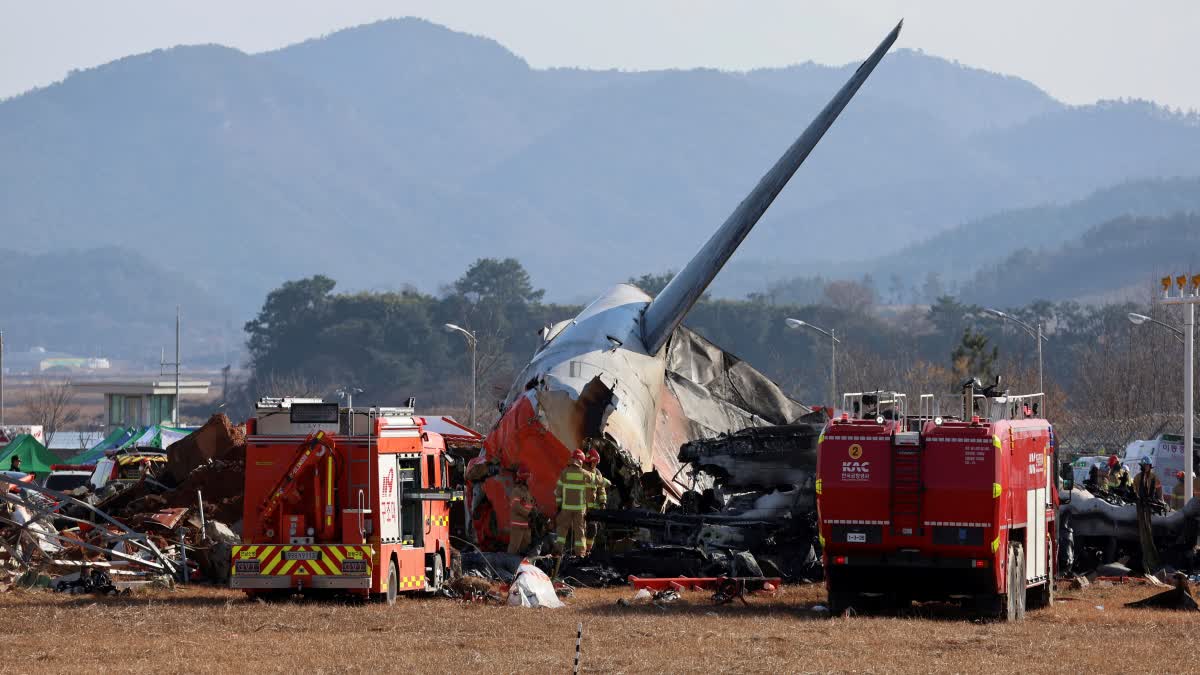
{"type": "Point", "coordinates": [519, 509]}
{"type": "Point", "coordinates": [1148, 490]}
{"type": "Point", "coordinates": [1096, 480]}
{"type": "Point", "coordinates": [570, 496]}
{"type": "Point", "coordinates": [1177, 493]}
{"type": "Point", "coordinates": [597, 495]}
{"type": "Point", "coordinates": [1118, 475]}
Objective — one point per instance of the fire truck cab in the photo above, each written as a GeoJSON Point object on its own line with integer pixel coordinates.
{"type": "Point", "coordinates": [926, 507]}
{"type": "Point", "coordinates": [351, 501]}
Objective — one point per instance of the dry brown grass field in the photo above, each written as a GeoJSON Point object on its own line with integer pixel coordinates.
{"type": "Point", "coordinates": [203, 629]}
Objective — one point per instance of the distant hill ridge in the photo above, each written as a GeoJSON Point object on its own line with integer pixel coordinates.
{"type": "Point", "coordinates": [1123, 253]}
{"type": "Point", "coordinates": [399, 151]}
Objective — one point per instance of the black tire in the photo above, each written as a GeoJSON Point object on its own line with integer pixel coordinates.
{"type": "Point", "coordinates": [393, 582]}
{"type": "Point", "coordinates": [839, 602]}
{"type": "Point", "coordinates": [436, 576]}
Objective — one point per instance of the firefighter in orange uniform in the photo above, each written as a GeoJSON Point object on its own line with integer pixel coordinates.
{"type": "Point", "coordinates": [570, 495]}
{"type": "Point", "coordinates": [597, 495]}
{"type": "Point", "coordinates": [1178, 492]}
{"type": "Point", "coordinates": [519, 509]}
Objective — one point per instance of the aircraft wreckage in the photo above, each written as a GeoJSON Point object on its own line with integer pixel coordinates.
{"type": "Point", "coordinates": [625, 377]}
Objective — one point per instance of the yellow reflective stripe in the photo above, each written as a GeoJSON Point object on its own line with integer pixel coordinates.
{"type": "Point", "coordinates": [287, 566]}
{"type": "Point", "coordinates": [269, 569]}
{"type": "Point", "coordinates": [337, 553]}
{"type": "Point", "coordinates": [995, 544]}
{"type": "Point", "coordinates": [819, 489]}
{"type": "Point", "coordinates": [996, 441]}
{"type": "Point", "coordinates": [996, 490]}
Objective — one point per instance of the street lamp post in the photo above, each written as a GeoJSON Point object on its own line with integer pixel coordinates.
{"type": "Point", "coordinates": [1189, 297]}
{"type": "Point", "coordinates": [1139, 319]}
{"type": "Point", "coordinates": [833, 343]}
{"type": "Point", "coordinates": [1036, 334]}
{"type": "Point", "coordinates": [471, 341]}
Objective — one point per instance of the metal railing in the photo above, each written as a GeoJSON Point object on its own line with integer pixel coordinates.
{"type": "Point", "coordinates": [857, 404]}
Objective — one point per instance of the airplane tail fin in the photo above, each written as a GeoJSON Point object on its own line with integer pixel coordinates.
{"type": "Point", "coordinates": [666, 312]}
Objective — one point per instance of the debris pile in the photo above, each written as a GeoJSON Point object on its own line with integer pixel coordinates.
{"type": "Point", "coordinates": [1178, 598]}
{"type": "Point", "coordinates": [1100, 530]}
{"type": "Point", "coordinates": [750, 510]}
{"type": "Point", "coordinates": [165, 519]}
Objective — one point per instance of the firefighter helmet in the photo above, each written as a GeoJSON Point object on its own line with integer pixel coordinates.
{"type": "Point", "coordinates": [578, 456]}
{"type": "Point", "coordinates": [593, 457]}
{"type": "Point", "coordinates": [1146, 461]}
{"type": "Point", "coordinates": [1113, 461]}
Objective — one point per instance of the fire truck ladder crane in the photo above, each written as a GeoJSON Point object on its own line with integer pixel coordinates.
{"type": "Point", "coordinates": [308, 454]}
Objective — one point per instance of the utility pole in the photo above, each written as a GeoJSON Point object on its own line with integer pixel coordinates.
{"type": "Point", "coordinates": [833, 397]}
{"type": "Point", "coordinates": [162, 363]}
{"type": "Point", "coordinates": [175, 408]}
{"type": "Point", "coordinates": [1, 378]}
{"type": "Point", "coordinates": [1189, 297]}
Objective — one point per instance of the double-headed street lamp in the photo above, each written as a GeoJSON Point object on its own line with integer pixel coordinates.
{"type": "Point", "coordinates": [833, 343]}
{"type": "Point", "coordinates": [1036, 334]}
{"type": "Point", "coordinates": [470, 341]}
{"type": "Point", "coordinates": [1189, 297]}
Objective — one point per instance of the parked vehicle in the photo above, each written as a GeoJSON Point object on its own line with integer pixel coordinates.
{"type": "Point", "coordinates": [345, 500]}
{"type": "Point", "coordinates": [935, 508]}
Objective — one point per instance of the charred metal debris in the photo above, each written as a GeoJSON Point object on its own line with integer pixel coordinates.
{"type": "Point", "coordinates": [750, 511]}
{"type": "Point", "coordinates": [165, 523]}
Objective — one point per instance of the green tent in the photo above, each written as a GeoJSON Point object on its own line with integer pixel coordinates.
{"type": "Point", "coordinates": [35, 458]}
{"type": "Point", "coordinates": [155, 436]}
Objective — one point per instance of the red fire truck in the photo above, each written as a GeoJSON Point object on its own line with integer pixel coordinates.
{"type": "Point", "coordinates": [343, 500]}
{"type": "Point", "coordinates": [924, 507]}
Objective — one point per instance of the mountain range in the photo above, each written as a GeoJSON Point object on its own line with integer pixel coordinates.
{"type": "Point", "coordinates": [398, 152]}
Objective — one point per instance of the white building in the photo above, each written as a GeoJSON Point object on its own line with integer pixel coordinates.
{"type": "Point", "coordinates": [140, 403]}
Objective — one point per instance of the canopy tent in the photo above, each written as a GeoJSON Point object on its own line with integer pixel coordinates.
{"type": "Point", "coordinates": [35, 458]}
{"type": "Point", "coordinates": [154, 436]}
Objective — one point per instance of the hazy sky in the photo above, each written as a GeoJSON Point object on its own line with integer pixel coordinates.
{"type": "Point", "coordinates": [1079, 51]}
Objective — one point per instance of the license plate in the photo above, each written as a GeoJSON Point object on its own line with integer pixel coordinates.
{"type": "Point", "coordinates": [246, 567]}
{"type": "Point", "coordinates": [301, 555]}
{"type": "Point", "coordinates": [354, 567]}
{"type": "Point", "coordinates": [856, 537]}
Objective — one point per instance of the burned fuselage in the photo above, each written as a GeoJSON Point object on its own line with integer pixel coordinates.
{"type": "Point", "coordinates": [626, 376]}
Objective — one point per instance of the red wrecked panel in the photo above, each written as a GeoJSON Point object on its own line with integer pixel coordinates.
{"type": "Point", "coordinates": [520, 439]}
{"type": "Point", "coordinates": [168, 518]}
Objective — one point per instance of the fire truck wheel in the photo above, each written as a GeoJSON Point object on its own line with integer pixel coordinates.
{"type": "Point", "coordinates": [1015, 598]}
{"type": "Point", "coordinates": [393, 582]}
{"type": "Point", "coordinates": [839, 602]}
{"type": "Point", "coordinates": [437, 575]}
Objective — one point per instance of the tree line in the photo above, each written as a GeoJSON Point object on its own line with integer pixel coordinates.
{"type": "Point", "coordinates": [310, 339]}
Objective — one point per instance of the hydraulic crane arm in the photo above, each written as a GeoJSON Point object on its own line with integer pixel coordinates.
{"type": "Point", "coordinates": [313, 448]}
